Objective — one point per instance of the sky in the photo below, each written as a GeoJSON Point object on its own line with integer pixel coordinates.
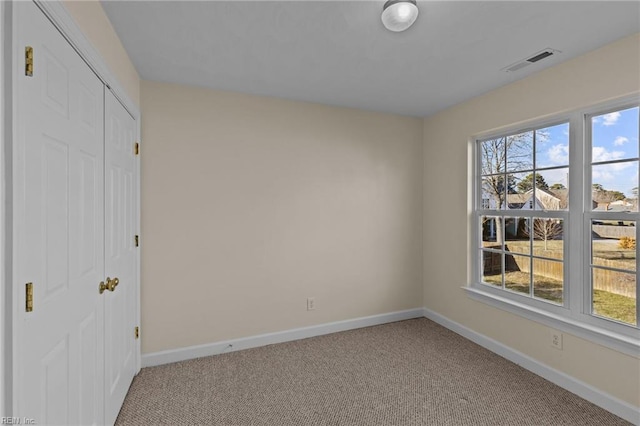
{"type": "Point", "coordinates": [614, 137]}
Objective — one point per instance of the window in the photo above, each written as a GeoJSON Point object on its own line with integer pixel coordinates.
{"type": "Point", "coordinates": [561, 250]}
{"type": "Point", "coordinates": [526, 175]}
{"type": "Point", "coordinates": [613, 150]}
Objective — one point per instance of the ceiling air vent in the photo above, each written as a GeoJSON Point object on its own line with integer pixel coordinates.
{"type": "Point", "coordinates": [533, 59]}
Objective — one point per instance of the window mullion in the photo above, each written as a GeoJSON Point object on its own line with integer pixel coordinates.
{"type": "Point", "coordinates": [575, 255]}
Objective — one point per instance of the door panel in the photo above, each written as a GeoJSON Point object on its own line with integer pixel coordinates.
{"type": "Point", "coordinates": [89, 334]}
{"type": "Point", "coordinates": [55, 211]}
{"type": "Point", "coordinates": [86, 215]}
{"type": "Point", "coordinates": [55, 82]}
{"type": "Point", "coordinates": [120, 257]}
{"type": "Point", "coordinates": [55, 386]}
{"type": "Point", "coordinates": [59, 229]}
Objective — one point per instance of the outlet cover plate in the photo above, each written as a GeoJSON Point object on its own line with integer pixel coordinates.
{"type": "Point", "coordinates": [311, 304]}
{"type": "Point", "coordinates": [556, 339]}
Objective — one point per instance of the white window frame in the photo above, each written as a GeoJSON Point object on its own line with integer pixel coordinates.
{"type": "Point", "coordinates": [574, 315]}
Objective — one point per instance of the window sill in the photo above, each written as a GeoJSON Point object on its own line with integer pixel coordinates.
{"type": "Point", "coordinates": [607, 338]}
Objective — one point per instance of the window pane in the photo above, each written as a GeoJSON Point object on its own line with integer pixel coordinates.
{"type": "Point", "coordinates": [485, 203]}
{"type": "Point", "coordinates": [517, 238]}
{"type": "Point", "coordinates": [493, 192]}
{"type": "Point", "coordinates": [615, 187]}
{"type": "Point", "coordinates": [492, 156]}
{"type": "Point", "coordinates": [519, 152]}
{"type": "Point", "coordinates": [615, 135]}
{"type": "Point", "coordinates": [553, 189]}
{"type": "Point", "coordinates": [492, 232]}
{"type": "Point", "coordinates": [614, 295]}
{"type": "Point", "coordinates": [552, 146]}
{"type": "Point", "coordinates": [517, 273]}
{"type": "Point", "coordinates": [548, 239]}
{"type": "Point", "coordinates": [613, 244]}
{"type": "Point", "coordinates": [548, 280]}
{"type": "Point", "coordinates": [520, 196]}
{"type": "Point", "coordinates": [492, 268]}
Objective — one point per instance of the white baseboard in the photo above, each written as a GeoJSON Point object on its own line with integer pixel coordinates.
{"type": "Point", "coordinates": [608, 402]}
{"type": "Point", "coordinates": [191, 352]}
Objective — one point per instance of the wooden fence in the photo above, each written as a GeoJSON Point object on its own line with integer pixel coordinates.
{"type": "Point", "coordinates": [614, 231]}
{"type": "Point", "coordinates": [612, 281]}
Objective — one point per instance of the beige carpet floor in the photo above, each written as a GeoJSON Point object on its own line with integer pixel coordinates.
{"type": "Point", "coordinates": [406, 373]}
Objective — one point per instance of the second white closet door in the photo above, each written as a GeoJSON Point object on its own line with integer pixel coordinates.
{"type": "Point", "coordinates": [120, 256]}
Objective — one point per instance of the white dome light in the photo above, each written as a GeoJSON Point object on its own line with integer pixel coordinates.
{"type": "Point", "coordinates": [398, 15]}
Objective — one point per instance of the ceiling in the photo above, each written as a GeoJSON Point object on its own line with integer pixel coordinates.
{"type": "Point", "coordinates": [339, 53]}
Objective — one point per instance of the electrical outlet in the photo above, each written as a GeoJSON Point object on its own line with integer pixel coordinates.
{"type": "Point", "coordinates": [556, 339]}
{"type": "Point", "coordinates": [311, 303]}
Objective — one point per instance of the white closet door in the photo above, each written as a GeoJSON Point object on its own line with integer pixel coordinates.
{"type": "Point", "coordinates": [120, 256]}
{"type": "Point", "coordinates": [58, 229]}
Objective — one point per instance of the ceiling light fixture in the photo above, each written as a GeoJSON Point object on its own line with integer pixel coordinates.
{"type": "Point", "coordinates": [398, 15]}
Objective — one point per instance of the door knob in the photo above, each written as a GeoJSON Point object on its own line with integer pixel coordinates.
{"type": "Point", "coordinates": [112, 284]}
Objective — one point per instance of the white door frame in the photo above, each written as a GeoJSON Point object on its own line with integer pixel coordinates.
{"type": "Point", "coordinates": [60, 17]}
{"type": "Point", "coordinates": [5, 290]}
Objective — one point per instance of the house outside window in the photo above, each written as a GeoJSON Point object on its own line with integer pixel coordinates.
{"type": "Point", "coordinates": [567, 250]}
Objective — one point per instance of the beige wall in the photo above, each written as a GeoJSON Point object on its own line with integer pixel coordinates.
{"type": "Point", "coordinates": [250, 205]}
{"type": "Point", "coordinates": [95, 25]}
{"type": "Point", "coordinates": [606, 73]}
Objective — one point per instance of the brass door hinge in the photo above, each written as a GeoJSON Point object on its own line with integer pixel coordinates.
{"type": "Point", "coordinates": [29, 302]}
{"type": "Point", "coordinates": [136, 332]}
{"type": "Point", "coordinates": [28, 61]}
{"type": "Point", "coordinates": [136, 148]}
{"type": "Point", "coordinates": [137, 241]}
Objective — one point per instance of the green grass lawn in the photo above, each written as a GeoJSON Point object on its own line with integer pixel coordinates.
{"type": "Point", "coordinates": [544, 288]}
{"type": "Point", "coordinates": [615, 306]}
{"type": "Point", "coordinates": [605, 304]}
